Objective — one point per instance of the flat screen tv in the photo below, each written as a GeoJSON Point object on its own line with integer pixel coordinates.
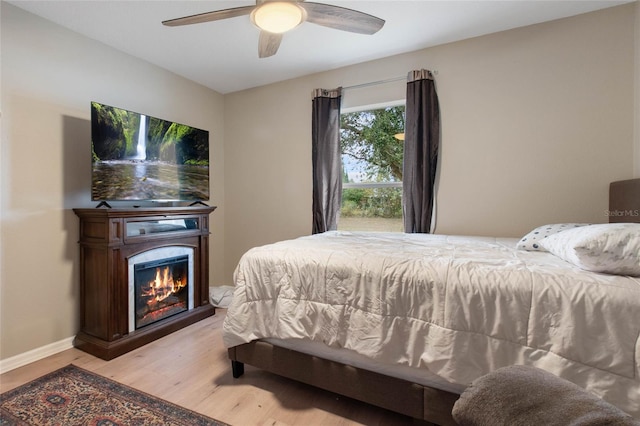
{"type": "Point", "coordinates": [136, 157]}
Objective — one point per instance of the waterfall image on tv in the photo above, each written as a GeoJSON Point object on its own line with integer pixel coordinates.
{"type": "Point", "coordinates": [137, 157]}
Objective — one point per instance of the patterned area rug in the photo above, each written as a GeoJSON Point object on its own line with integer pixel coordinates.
{"type": "Point", "coordinates": [73, 396]}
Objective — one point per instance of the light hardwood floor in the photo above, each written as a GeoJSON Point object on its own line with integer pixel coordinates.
{"type": "Point", "coordinates": [190, 368]}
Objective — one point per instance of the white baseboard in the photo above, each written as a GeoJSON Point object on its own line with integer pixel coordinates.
{"type": "Point", "coordinates": [35, 355]}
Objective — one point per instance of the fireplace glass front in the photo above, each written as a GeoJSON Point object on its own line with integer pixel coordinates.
{"type": "Point", "coordinates": [161, 289]}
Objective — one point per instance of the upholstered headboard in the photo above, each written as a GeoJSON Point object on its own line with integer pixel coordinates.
{"type": "Point", "coordinates": [624, 201]}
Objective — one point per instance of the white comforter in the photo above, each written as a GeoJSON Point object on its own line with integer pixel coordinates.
{"type": "Point", "coordinates": [457, 306]}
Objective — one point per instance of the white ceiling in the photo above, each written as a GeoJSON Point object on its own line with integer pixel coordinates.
{"type": "Point", "coordinates": [223, 55]}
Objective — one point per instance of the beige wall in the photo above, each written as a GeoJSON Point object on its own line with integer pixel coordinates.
{"type": "Point", "coordinates": [49, 77]}
{"type": "Point", "coordinates": [536, 122]}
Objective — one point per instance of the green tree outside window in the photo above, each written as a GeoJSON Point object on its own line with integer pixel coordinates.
{"type": "Point", "coordinates": [372, 163]}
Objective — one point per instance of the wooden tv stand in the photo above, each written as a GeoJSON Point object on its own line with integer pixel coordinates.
{"type": "Point", "coordinates": [108, 238]}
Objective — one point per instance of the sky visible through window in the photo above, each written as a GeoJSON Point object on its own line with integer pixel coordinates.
{"type": "Point", "coordinates": [354, 169]}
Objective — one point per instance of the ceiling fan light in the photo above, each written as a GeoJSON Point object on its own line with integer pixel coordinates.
{"type": "Point", "coordinates": [277, 17]}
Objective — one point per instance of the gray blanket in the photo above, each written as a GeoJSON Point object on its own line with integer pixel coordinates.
{"type": "Point", "coordinates": [528, 396]}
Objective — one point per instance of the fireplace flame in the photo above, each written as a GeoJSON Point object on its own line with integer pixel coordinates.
{"type": "Point", "coordinates": [163, 286]}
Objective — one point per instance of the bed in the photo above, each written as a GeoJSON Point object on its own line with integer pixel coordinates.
{"type": "Point", "coordinates": [407, 321]}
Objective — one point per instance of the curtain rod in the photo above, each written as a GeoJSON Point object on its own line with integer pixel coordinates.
{"type": "Point", "coordinates": [375, 83]}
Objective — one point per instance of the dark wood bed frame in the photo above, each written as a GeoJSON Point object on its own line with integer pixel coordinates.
{"type": "Point", "coordinates": [411, 399]}
{"type": "Point", "coordinates": [398, 395]}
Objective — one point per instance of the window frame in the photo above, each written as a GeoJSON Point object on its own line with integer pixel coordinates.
{"type": "Point", "coordinates": [372, 185]}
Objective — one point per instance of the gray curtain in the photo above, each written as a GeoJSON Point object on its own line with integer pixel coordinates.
{"type": "Point", "coordinates": [421, 144]}
{"type": "Point", "coordinates": [327, 164]}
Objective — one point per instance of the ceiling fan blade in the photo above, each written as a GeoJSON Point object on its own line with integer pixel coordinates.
{"type": "Point", "coordinates": [209, 16]}
{"type": "Point", "coordinates": [268, 44]}
{"type": "Point", "coordinates": [341, 18]}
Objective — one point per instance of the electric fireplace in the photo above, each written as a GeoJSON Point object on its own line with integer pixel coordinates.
{"type": "Point", "coordinates": [160, 285]}
{"type": "Point", "coordinates": [160, 289]}
{"type": "Point", "coordinates": [144, 273]}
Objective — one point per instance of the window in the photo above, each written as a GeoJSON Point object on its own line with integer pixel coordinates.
{"type": "Point", "coordinates": [372, 153]}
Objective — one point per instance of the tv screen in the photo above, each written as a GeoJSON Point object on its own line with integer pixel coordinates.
{"type": "Point", "coordinates": [141, 158]}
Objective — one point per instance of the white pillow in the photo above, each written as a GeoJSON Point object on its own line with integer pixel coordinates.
{"type": "Point", "coordinates": [531, 241]}
{"type": "Point", "coordinates": [612, 248]}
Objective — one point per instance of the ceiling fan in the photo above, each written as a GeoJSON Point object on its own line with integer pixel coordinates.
{"type": "Point", "coordinates": [274, 18]}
